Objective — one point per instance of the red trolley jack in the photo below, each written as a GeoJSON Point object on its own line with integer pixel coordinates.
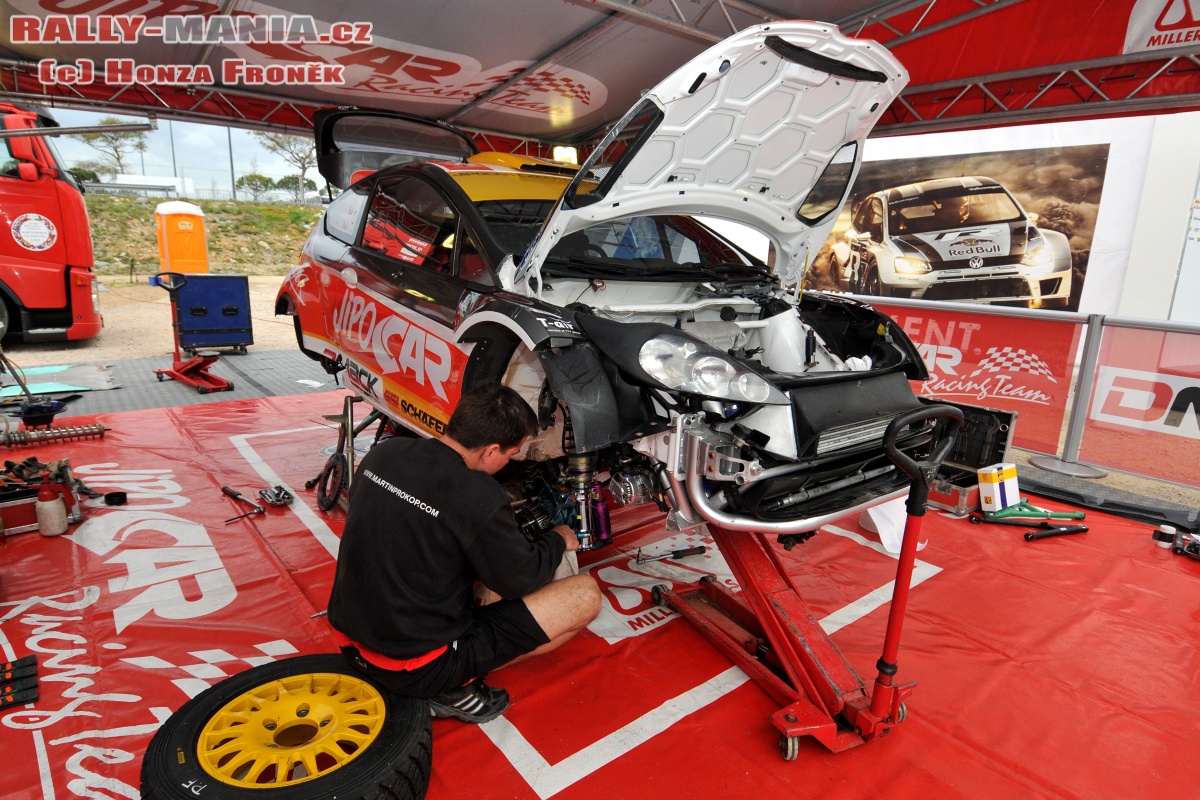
{"type": "Point", "coordinates": [194, 371]}
{"type": "Point", "coordinates": [769, 631]}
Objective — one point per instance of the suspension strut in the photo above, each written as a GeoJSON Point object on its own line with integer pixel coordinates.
{"type": "Point", "coordinates": [587, 494]}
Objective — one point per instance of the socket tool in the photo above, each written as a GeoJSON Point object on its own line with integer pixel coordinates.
{"type": "Point", "coordinates": [674, 554]}
{"type": "Point", "coordinates": [276, 496]}
{"type": "Point", "coordinates": [1063, 530]}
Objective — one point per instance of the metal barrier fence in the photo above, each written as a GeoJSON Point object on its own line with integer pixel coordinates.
{"type": "Point", "coordinates": [149, 190]}
{"type": "Point", "coordinates": [1130, 402]}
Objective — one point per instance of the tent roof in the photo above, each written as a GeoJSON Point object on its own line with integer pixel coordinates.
{"type": "Point", "coordinates": [560, 71]}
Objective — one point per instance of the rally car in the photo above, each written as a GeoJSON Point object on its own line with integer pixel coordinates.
{"type": "Point", "coordinates": [666, 363]}
{"type": "Point", "coordinates": [965, 239]}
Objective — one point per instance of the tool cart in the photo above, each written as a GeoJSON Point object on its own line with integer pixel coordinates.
{"type": "Point", "coordinates": [213, 311]}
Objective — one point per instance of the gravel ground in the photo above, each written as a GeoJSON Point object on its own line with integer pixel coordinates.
{"type": "Point", "coordinates": [137, 324]}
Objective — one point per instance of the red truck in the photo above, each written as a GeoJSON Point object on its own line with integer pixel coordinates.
{"type": "Point", "coordinates": [48, 291]}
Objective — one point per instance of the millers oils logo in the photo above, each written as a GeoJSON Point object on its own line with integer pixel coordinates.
{"type": "Point", "coordinates": [1155, 24]}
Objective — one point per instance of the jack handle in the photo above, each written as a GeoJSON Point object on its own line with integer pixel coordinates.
{"type": "Point", "coordinates": [171, 281]}
{"type": "Point", "coordinates": [886, 707]}
{"type": "Point", "coordinates": [947, 421]}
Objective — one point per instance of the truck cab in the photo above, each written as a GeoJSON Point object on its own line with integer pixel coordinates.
{"type": "Point", "coordinates": [48, 290]}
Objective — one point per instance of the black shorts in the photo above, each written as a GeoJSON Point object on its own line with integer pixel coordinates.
{"type": "Point", "coordinates": [501, 631]}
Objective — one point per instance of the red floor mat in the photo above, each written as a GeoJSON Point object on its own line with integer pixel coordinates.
{"type": "Point", "coordinates": [1063, 668]}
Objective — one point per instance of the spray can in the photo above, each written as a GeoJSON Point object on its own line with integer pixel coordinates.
{"type": "Point", "coordinates": [51, 510]}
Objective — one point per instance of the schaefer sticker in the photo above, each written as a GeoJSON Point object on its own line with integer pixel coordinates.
{"type": "Point", "coordinates": [34, 232]}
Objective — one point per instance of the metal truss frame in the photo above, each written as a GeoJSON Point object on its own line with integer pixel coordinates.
{"type": "Point", "coordinates": [1144, 83]}
{"type": "Point", "coordinates": [1136, 83]}
{"type": "Point", "coordinates": [213, 105]}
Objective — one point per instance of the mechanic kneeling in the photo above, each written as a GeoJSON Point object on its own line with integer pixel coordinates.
{"type": "Point", "coordinates": [427, 519]}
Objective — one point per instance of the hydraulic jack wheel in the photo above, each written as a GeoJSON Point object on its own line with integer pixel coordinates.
{"type": "Point", "coordinates": [769, 631]}
{"type": "Point", "coordinates": [193, 371]}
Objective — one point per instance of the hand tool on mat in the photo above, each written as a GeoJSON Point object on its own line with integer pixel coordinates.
{"type": "Point", "coordinates": [1181, 543]}
{"type": "Point", "coordinates": [18, 692]}
{"type": "Point", "coordinates": [674, 554]}
{"type": "Point", "coordinates": [21, 668]}
{"type": "Point", "coordinates": [1025, 509]}
{"type": "Point", "coordinates": [1033, 536]}
{"type": "Point", "coordinates": [276, 496]}
{"type": "Point", "coordinates": [1020, 523]}
{"type": "Point", "coordinates": [236, 495]}
{"type": "Point", "coordinates": [18, 681]}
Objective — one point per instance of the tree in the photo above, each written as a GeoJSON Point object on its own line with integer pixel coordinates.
{"type": "Point", "coordinates": [114, 146]}
{"type": "Point", "coordinates": [255, 184]}
{"type": "Point", "coordinates": [82, 173]}
{"type": "Point", "coordinates": [295, 150]}
{"type": "Point", "coordinates": [291, 184]}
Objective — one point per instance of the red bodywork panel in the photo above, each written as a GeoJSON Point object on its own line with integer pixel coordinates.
{"type": "Point", "coordinates": [45, 237]}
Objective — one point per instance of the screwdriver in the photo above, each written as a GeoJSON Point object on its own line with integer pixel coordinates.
{"type": "Point", "coordinates": [674, 554]}
{"type": "Point", "coordinates": [236, 495]}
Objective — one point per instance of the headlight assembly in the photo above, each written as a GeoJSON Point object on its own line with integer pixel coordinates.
{"type": "Point", "coordinates": [688, 366]}
{"type": "Point", "coordinates": [911, 266]}
{"type": "Point", "coordinates": [1041, 257]}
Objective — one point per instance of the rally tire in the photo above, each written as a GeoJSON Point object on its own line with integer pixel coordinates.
{"type": "Point", "coordinates": [394, 764]}
{"type": "Point", "coordinates": [835, 274]}
{"type": "Point", "coordinates": [872, 284]}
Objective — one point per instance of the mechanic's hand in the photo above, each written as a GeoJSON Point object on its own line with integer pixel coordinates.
{"type": "Point", "coordinates": [568, 536]}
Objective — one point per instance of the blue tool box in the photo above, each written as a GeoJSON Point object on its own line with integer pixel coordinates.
{"type": "Point", "coordinates": [214, 311]}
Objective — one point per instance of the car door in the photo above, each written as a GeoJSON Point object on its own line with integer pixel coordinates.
{"type": "Point", "coordinates": [866, 236]}
{"type": "Point", "coordinates": [400, 299]}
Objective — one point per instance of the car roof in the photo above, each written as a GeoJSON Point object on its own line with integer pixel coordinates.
{"type": "Point", "coordinates": [939, 185]}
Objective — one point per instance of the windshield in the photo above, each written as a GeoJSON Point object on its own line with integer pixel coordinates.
{"type": "Point", "coordinates": [637, 248]}
{"type": "Point", "coordinates": [939, 211]}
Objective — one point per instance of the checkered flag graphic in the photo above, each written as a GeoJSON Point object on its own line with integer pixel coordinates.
{"type": "Point", "coordinates": [207, 666]}
{"type": "Point", "coordinates": [1008, 359]}
{"type": "Point", "coordinates": [549, 82]}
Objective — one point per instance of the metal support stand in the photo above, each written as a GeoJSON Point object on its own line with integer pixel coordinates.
{"type": "Point", "coordinates": [1069, 464]}
{"type": "Point", "coordinates": [770, 632]}
{"type": "Point", "coordinates": [194, 371]}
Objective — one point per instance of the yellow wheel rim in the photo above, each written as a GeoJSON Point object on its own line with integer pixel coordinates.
{"type": "Point", "coordinates": [291, 730]}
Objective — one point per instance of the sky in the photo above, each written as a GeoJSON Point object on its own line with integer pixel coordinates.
{"type": "Point", "coordinates": [201, 151]}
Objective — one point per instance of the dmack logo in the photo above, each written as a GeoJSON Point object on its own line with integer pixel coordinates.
{"type": "Point", "coordinates": [1148, 401]}
{"type": "Point", "coordinates": [397, 344]}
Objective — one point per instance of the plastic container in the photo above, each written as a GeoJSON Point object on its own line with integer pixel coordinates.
{"type": "Point", "coordinates": [51, 512]}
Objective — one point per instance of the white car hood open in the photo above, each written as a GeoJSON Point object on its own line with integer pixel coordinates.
{"type": "Point", "coordinates": [743, 132]}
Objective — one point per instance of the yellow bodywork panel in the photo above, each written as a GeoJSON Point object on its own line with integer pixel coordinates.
{"type": "Point", "coordinates": [500, 177]}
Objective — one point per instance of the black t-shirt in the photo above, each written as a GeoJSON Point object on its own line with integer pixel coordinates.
{"type": "Point", "coordinates": [422, 527]}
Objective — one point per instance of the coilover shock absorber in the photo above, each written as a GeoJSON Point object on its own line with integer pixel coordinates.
{"type": "Point", "coordinates": [591, 507]}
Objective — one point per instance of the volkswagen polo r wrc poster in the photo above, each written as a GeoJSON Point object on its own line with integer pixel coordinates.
{"type": "Point", "coordinates": [1011, 228]}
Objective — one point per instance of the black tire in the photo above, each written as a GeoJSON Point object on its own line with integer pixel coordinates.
{"type": "Point", "coordinates": [394, 762]}
{"type": "Point", "coordinates": [332, 481]}
{"type": "Point", "coordinates": [202, 389]}
{"type": "Point", "coordinates": [871, 283]}
{"type": "Point", "coordinates": [835, 273]}
{"type": "Point", "coordinates": [229, 388]}
{"type": "Point", "coordinates": [4, 318]}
